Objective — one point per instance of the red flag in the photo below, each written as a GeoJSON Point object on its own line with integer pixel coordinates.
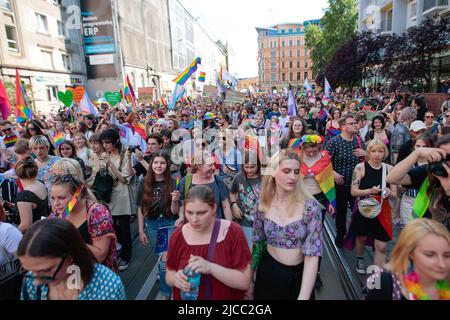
{"type": "Point", "coordinates": [5, 105]}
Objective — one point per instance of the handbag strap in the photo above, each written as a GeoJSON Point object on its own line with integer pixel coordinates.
{"type": "Point", "coordinates": [211, 250]}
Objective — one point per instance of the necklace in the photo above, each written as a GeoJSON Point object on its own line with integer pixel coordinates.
{"type": "Point", "coordinates": [416, 292]}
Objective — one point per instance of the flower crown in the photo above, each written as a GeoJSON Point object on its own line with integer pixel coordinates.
{"type": "Point", "coordinates": [313, 138]}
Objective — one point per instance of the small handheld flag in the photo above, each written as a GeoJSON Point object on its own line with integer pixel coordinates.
{"type": "Point", "coordinates": [202, 77]}
{"type": "Point", "coordinates": [59, 139]}
{"type": "Point", "coordinates": [72, 202]}
{"type": "Point", "coordinates": [162, 240]}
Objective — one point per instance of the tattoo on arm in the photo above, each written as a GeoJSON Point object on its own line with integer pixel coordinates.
{"type": "Point", "coordinates": [355, 177]}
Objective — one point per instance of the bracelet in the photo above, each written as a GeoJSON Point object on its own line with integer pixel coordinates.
{"type": "Point", "coordinates": [234, 202]}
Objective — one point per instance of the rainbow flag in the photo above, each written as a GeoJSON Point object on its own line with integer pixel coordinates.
{"type": "Point", "coordinates": [202, 77]}
{"type": "Point", "coordinates": [59, 139]}
{"type": "Point", "coordinates": [22, 111]}
{"type": "Point", "coordinates": [128, 93]}
{"type": "Point", "coordinates": [10, 141]}
{"type": "Point", "coordinates": [323, 173]}
{"type": "Point", "coordinates": [331, 133]}
{"type": "Point", "coordinates": [186, 74]}
{"type": "Point", "coordinates": [72, 202]}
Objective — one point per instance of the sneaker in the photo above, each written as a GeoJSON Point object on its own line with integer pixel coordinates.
{"type": "Point", "coordinates": [360, 267]}
{"type": "Point", "coordinates": [123, 265]}
{"type": "Point", "coordinates": [319, 283]}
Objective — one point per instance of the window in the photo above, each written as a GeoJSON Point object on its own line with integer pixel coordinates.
{"type": "Point", "coordinates": [298, 53]}
{"type": "Point", "coordinates": [66, 61]}
{"type": "Point", "coordinates": [47, 59]}
{"type": "Point", "coordinates": [283, 66]}
{"type": "Point", "coordinates": [298, 29]}
{"type": "Point", "coordinates": [52, 93]}
{"type": "Point", "coordinates": [306, 75]}
{"type": "Point", "coordinates": [273, 77]}
{"type": "Point", "coordinates": [283, 43]}
{"type": "Point", "coordinates": [290, 53]}
{"type": "Point", "coordinates": [273, 65]}
{"type": "Point", "coordinates": [5, 4]}
{"type": "Point", "coordinates": [291, 76]}
{"type": "Point", "coordinates": [413, 12]}
{"type": "Point", "coordinates": [283, 31]}
{"type": "Point", "coordinates": [283, 54]}
{"type": "Point", "coordinates": [298, 64]}
{"type": "Point", "coordinates": [290, 30]}
{"type": "Point", "coordinates": [42, 23]}
{"type": "Point", "coordinates": [61, 29]}
{"type": "Point", "coordinates": [298, 43]}
{"type": "Point", "coordinates": [273, 54]}
{"type": "Point", "coordinates": [290, 43]}
{"type": "Point", "coordinates": [11, 38]}
{"type": "Point", "coordinates": [298, 76]}
{"type": "Point", "coordinates": [306, 64]}
{"type": "Point", "coordinates": [290, 64]}
{"type": "Point", "coordinates": [283, 77]}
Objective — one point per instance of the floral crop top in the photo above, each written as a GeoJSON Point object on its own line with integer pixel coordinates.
{"type": "Point", "coordinates": [305, 234]}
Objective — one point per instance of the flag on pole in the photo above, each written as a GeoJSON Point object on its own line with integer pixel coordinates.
{"type": "Point", "coordinates": [307, 86]}
{"type": "Point", "coordinates": [186, 74]}
{"type": "Point", "coordinates": [220, 85]}
{"type": "Point", "coordinates": [22, 111]}
{"type": "Point", "coordinates": [228, 78]}
{"type": "Point", "coordinates": [86, 105]}
{"type": "Point", "coordinates": [202, 77]}
{"type": "Point", "coordinates": [178, 92]}
{"type": "Point", "coordinates": [292, 106]}
{"type": "Point", "coordinates": [5, 105]}
{"type": "Point", "coordinates": [129, 95]}
{"type": "Point", "coordinates": [327, 88]}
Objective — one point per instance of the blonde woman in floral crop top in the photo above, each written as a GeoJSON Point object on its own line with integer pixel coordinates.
{"type": "Point", "coordinates": [289, 219]}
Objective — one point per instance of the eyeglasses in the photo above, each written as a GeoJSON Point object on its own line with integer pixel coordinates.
{"type": "Point", "coordinates": [429, 117]}
{"type": "Point", "coordinates": [7, 129]}
{"type": "Point", "coordinates": [27, 274]}
{"type": "Point", "coordinates": [64, 178]}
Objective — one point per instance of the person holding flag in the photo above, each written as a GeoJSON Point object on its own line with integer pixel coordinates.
{"type": "Point", "coordinates": [70, 201]}
{"type": "Point", "coordinates": [158, 201]}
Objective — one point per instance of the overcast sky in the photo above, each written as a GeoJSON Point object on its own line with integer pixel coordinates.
{"type": "Point", "coordinates": [235, 21]}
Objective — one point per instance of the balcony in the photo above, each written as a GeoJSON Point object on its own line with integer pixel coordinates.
{"type": "Point", "coordinates": [431, 7]}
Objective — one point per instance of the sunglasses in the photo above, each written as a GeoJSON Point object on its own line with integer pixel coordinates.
{"type": "Point", "coordinates": [31, 129]}
{"type": "Point", "coordinates": [6, 130]}
{"type": "Point", "coordinates": [447, 115]}
{"type": "Point", "coordinates": [64, 178]}
{"type": "Point", "coordinates": [30, 275]}
{"type": "Point", "coordinates": [429, 117]}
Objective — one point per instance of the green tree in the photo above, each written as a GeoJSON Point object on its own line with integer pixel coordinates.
{"type": "Point", "coordinates": [337, 27]}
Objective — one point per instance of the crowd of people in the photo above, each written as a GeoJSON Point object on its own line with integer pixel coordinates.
{"type": "Point", "coordinates": [240, 191]}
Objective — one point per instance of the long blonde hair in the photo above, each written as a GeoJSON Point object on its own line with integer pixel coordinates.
{"type": "Point", "coordinates": [414, 232]}
{"type": "Point", "coordinates": [269, 187]}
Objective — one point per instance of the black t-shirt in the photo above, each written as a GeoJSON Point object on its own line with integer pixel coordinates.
{"type": "Point", "coordinates": [157, 204]}
{"type": "Point", "coordinates": [405, 150]}
{"type": "Point", "coordinates": [418, 175]}
{"type": "Point", "coordinates": [385, 290]}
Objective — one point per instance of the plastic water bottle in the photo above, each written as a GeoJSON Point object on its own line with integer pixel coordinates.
{"type": "Point", "coordinates": [194, 281]}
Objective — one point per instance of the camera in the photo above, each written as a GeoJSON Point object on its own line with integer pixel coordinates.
{"type": "Point", "coordinates": [132, 149]}
{"type": "Point", "coordinates": [438, 169]}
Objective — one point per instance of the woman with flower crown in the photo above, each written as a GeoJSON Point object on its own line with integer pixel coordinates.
{"type": "Point", "coordinates": [419, 268]}
{"type": "Point", "coordinates": [317, 173]}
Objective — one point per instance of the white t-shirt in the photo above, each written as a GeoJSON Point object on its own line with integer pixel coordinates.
{"type": "Point", "coordinates": [10, 238]}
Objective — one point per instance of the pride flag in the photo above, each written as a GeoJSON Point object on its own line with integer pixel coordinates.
{"type": "Point", "coordinates": [10, 141]}
{"type": "Point", "coordinates": [202, 77]}
{"type": "Point", "coordinates": [22, 111]}
{"type": "Point", "coordinates": [59, 139]}
{"type": "Point", "coordinates": [128, 93]}
{"type": "Point", "coordinates": [86, 105]}
{"type": "Point", "coordinates": [186, 74]}
{"type": "Point", "coordinates": [5, 105]}
{"type": "Point", "coordinates": [323, 173]}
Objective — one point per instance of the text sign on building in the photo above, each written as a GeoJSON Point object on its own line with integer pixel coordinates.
{"type": "Point", "coordinates": [99, 38]}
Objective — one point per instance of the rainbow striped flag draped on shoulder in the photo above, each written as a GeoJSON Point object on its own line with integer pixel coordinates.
{"type": "Point", "coordinates": [323, 173]}
{"type": "Point", "coordinates": [186, 74]}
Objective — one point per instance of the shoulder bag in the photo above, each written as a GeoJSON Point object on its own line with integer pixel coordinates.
{"type": "Point", "coordinates": [370, 207]}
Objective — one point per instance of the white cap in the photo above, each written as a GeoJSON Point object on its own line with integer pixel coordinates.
{"type": "Point", "coordinates": [417, 126]}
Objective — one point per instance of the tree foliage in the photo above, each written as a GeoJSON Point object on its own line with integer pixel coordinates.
{"type": "Point", "coordinates": [338, 25]}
